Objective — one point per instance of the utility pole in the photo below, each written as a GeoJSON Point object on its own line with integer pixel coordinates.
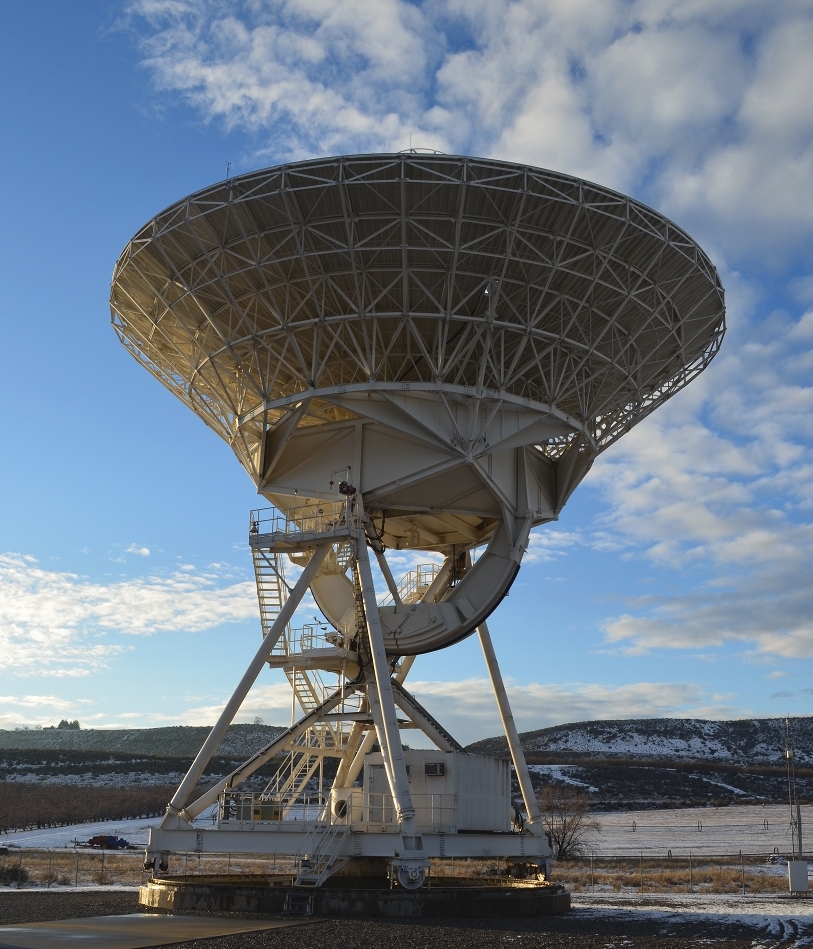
{"type": "Point", "coordinates": [795, 806]}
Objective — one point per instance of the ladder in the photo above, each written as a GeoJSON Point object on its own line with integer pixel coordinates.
{"type": "Point", "coordinates": [292, 778]}
{"type": "Point", "coordinates": [272, 590]}
{"type": "Point", "coordinates": [323, 847]}
{"type": "Point", "coordinates": [298, 904]}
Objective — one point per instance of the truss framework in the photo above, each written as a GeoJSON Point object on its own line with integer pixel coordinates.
{"type": "Point", "coordinates": [341, 721]}
{"type": "Point", "coordinates": [416, 273]}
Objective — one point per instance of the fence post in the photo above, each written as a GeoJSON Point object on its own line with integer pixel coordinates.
{"type": "Point", "coordinates": [642, 873]}
{"type": "Point", "coordinates": [20, 870]}
{"type": "Point", "coordinates": [76, 873]}
{"type": "Point", "coordinates": [592, 881]}
{"type": "Point", "coordinates": [691, 881]}
{"type": "Point", "coordinates": [48, 877]}
{"type": "Point", "coordinates": [742, 872]}
{"type": "Point", "coordinates": [101, 875]}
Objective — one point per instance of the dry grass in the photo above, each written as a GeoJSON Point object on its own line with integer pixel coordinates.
{"type": "Point", "coordinates": [706, 875]}
{"type": "Point", "coordinates": [69, 867]}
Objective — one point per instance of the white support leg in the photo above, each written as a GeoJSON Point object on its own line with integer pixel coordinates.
{"type": "Point", "coordinates": [233, 705]}
{"type": "Point", "coordinates": [392, 586]}
{"type": "Point", "coordinates": [510, 728]}
{"type": "Point", "coordinates": [399, 782]}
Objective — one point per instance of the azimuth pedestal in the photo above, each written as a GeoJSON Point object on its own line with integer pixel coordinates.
{"type": "Point", "coordinates": [444, 898]}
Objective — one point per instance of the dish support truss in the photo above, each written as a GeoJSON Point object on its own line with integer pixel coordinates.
{"type": "Point", "coordinates": [350, 692]}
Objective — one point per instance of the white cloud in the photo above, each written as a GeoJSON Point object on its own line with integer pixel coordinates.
{"type": "Point", "coordinates": [137, 550]}
{"type": "Point", "coordinates": [30, 711]}
{"type": "Point", "coordinates": [548, 544]}
{"type": "Point", "coordinates": [269, 701]}
{"type": "Point", "coordinates": [52, 622]}
{"type": "Point", "coordinates": [466, 707]}
{"type": "Point", "coordinates": [723, 478]}
{"type": "Point", "coordinates": [701, 107]}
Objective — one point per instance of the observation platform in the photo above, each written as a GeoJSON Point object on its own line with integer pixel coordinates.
{"type": "Point", "coordinates": [302, 527]}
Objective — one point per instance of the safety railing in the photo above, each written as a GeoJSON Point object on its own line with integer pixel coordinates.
{"type": "Point", "coordinates": [414, 584]}
{"type": "Point", "coordinates": [246, 807]}
{"type": "Point", "coordinates": [322, 518]}
{"type": "Point", "coordinates": [311, 637]}
{"type": "Point", "coordinates": [433, 812]}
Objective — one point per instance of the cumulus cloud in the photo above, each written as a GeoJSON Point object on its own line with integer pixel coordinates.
{"type": "Point", "coordinates": [269, 701]}
{"type": "Point", "coordinates": [700, 107]}
{"type": "Point", "coordinates": [138, 550]}
{"type": "Point", "coordinates": [31, 710]}
{"type": "Point", "coordinates": [55, 623]}
{"type": "Point", "coordinates": [723, 481]}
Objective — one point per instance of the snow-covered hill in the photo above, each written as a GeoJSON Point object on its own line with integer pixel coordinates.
{"type": "Point", "coordinates": [759, 741]}
{"type": "Point", "coordinates": [175, 742]}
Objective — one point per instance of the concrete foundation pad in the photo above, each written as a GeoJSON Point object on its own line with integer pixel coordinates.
{"type": "Point", "coordinates": [441, 899]}
{"type": "Point", "coordinates": [134, 931]}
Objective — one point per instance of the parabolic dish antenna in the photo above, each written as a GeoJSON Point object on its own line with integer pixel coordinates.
{"type": "Point", "coordinates": [413, 352]}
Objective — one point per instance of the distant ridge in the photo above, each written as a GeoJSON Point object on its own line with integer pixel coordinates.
{"type": "Point", "coordinates": [178, 741]}
{"type": "Point", "coordinates": [752, 741]}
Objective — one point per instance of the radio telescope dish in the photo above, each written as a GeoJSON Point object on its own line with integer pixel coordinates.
{"type": "Point", "coordinates": [427, 349]}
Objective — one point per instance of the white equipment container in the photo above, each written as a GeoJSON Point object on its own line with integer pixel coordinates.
{"type": "Point", "coordinates": [797, 876]}
{"type": "Point", "coordinates": [451, 792]}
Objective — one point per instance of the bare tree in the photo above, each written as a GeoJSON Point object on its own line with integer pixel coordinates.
{"type": "Point", "coordinates": [565, 811]}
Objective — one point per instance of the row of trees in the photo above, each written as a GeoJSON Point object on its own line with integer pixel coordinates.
{"type": "Point", "coordinates": [26, 806]}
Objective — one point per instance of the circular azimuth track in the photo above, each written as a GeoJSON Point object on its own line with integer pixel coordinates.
{"type": "Point", "coordinates": [457, 337]}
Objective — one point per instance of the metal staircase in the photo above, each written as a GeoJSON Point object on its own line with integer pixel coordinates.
{"type": "Point", "coordinates": [322, 849]}
{"type": "Point", "coordinates": [272, 590]}
{"type": "Point", "coordinates": [291, 781]}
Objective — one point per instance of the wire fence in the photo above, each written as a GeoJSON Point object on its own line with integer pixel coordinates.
{"type": "Point", "coordinates": [699, 873]}
{"type": "Point", "coordinates": [91, 867]}
{"type": "Point", "coordinates": [693, 873]}
{"type": "Point", "coordinates": [750, 829]}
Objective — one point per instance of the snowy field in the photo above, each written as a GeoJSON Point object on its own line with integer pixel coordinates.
{"type": "Point", "coordinates": [133, 831]}
{"type": "Point", "coordinates": [785, 921]}
{"type": "Point", "coordinates": [752, 829]}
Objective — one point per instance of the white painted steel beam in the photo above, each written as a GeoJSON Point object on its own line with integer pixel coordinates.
{"type": "Point", "coordinates": [286, 838]}
{"type": "Point", "coordinates": [510, 729]}
{"type": "Point", "coordinates": [394, 754]}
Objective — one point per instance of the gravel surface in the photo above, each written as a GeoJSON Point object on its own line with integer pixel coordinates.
{"type": "Point", "coordinates": [584, 927]}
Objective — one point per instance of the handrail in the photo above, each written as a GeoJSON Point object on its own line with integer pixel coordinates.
{"type": "Point", "coordinates": [321, 517]}
{"type": "Point", "coordinates": [312, 636]}
{"type": "Point", "coordinates": [435, 811]}
{"type": "Point", "coordinates": [414, 584]}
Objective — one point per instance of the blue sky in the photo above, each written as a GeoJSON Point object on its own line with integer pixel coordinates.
{"type": "Point", "coordinates": [678, 580]}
